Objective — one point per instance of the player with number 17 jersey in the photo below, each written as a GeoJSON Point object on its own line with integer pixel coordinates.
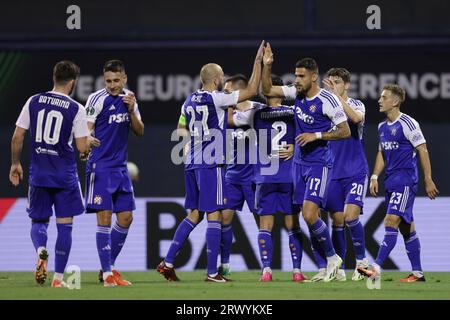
{"type": "Point", "coordinates": [314, 160]}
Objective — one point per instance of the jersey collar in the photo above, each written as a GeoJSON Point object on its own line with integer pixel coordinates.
{"type": "Point", "coordinates": [59, 93]}
{"type": "Point", "coordinates": [313, 97]}
{"type": "Point", "coordinates": [391, 123]}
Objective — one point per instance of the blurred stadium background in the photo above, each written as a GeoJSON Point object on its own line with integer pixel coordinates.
{"type": "Point", "coordinates": [164, 44]}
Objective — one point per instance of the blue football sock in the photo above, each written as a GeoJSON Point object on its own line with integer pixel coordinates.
{"type": "Point", "coordinates": [213, 236]}
{"type": "Point", "coordinates": [390, 238]}
{"type": "Point", "coordinates": [320, 231]}
{"type": "Point", "coordinates": [412, 245]}
{"type": "Point", "coordinates": [104, 247]}
{"type": "Point", "coordinates": [295, 246]}
{"type": "Point", "coordinates": [265, 247]}
{"type": "Point", "coordinates": [227, 240]}
{"type": "Point", "coordinates": [319, 254]}
{"type": "Point", "coordinates": [39, 234]}
{"type": "Point", "coordinates": [357, 231]}
{"type": "Point", "coordinates": [63, 246]}
{"type": "Point", "coordinates": [181, 234]}
{"type": "Point", "coordinates": [118, 237]}
{"type": "Point", "coordinates": [339, 243]}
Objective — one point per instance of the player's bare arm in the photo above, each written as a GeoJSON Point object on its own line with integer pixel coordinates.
{"type": "Point", "coordinates": [342, 131]}
{"type": "Point", "coordinates": [16, 171]}
{"type": "Point", "coordinates": [230, 120]}
{"type": "Point", "coordinates": [354, 116]}
{"type": "Point", "coordinates": [91, 142]}
{"type": "Point", "coordinates": [377, 170]}
{"type": "Point", "coordinates": [136, 124]}
{"type": "Point", "coordinates": [83, 145]}
{"type": "Point", "coordinates": [240, 107]}
{"type": "Point", "coordinates": [430, 186]}
{"type": "Point", "coordinates": [253, 84]}
{"type": "Point", "coordinates": [267, 88]}
{"type": "Point", "coordinates": [183, 132]}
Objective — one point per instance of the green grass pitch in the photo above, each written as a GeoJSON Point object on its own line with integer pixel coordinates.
{"type": "Point", "coordinates": [151, 285]}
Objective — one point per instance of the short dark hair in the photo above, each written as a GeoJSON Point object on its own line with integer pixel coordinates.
{"type": "Point", "coordinates": [237, 77]}
{"type": "Point", "coordinates": [64, 71]}
{"type": "Point", "coordinates": [309, 64]}
{"type": "Point", "coordinates": [397, 90]}
{"type": "Point", "coordinates": [276, 80]}
{"type": "Point", "coordinates": [114, 66]}
{"type": "Point", "coordinates": [342, 73]}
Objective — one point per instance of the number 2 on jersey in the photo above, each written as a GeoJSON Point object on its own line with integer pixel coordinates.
{"type": "Point", "coordinates": [203, 110]}
{"type": "Point", "coordinates": [281, 127]}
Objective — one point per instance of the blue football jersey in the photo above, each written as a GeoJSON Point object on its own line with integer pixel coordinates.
{"type": "Point", "coordinates": [317, 114]}
{"type": "Point", "coordinates": [275, 129]}
{"type": "Point", "coordinates": [349, 156]}
{"type": "Point", "coordinates": [398, 141]}
{"type": "Point", "coordinates": [206, 120]}
{"type": "Point", "coordinates": [111, 126]}
{"type": "Point", "coordinates": [243, 154]}
{"type": "Point", "coordinates": [53, 119]}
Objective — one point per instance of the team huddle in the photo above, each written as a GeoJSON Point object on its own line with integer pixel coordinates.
{"type": "Point", "coordinates": [315, 145]}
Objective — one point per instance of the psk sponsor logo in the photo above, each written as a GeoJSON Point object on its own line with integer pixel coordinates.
{"type": "Point", "coordinates": [389, 145]}
{"type": "Point", "coordinates": [239, 134]}
{"type": "Point", "coordinates": [98, 200]}
{"type": "Point", "coordinates": [304, 117]}
{"type": "Point", "coordinates": [119, 118]}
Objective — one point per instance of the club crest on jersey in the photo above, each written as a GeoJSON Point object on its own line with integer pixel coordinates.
{"type": "Point", "coordinates": [393, 131]}
{"type": "Point", "coordinates": [312, 108]}
{"type": "Point", "coordinates": [98, 200]}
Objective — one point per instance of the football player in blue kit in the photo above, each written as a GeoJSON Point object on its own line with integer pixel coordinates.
{"type": "Point", "coordinates": [53, 119]}
{"type": "Point", "coordinates": [275, 130]}
{"type": "Point", "coordinates": [400, 140]}
{"type": "Point", "coordinates": [111, 112]}
{"type": "Point", "coordinates": [348, 185]}
{"type": "Point", "coordinates": [239, 185]}
{"type": "Point", "coordinates": [317, 112]}
{"type": "Point", "coordinates": [205, 112]}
